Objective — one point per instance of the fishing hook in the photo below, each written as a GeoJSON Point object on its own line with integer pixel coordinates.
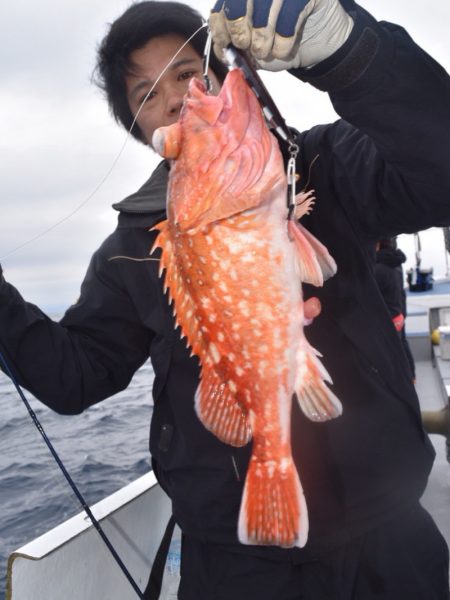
{"type": "Point", "coordinates": [206, 56]}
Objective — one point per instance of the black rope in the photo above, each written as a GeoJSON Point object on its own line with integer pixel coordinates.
{"type": "Point", "coordinates": [70, 481]}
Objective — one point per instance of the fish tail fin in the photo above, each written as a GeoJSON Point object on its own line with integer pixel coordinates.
{"type": "Point", "coordinates": [273, 508]}
{"type": "Point", "coordinates": [315, 398]}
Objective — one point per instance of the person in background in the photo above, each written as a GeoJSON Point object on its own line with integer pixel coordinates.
{"type": "Point", "coordinates": [380, 170]}
{"type": "Point", "coordinates": [390, 279]}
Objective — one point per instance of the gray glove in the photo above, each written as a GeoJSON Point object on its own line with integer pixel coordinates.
{"type": "Point", "coordinates": [281, 34]}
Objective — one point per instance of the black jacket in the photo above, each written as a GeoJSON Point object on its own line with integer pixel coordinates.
{"type": "Point", "coordinates": [389, 276]}
{"type": "Point", "coordinates": [381, 170]}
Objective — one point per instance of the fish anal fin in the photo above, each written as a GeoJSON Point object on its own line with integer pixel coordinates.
{"type": "Point", "coordinates": [273, 508]}
{"type": "Point", "coordinates": [315, 263]}
{"type": "Point", "coordinates": [315, 398]}
{"type": "Point", "coordinates": [219, 410]}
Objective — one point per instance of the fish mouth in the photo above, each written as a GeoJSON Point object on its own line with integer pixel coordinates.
{"type": "Point", "coordinates": [234, 95]}
{"type": "Point", "coordinates": [235, 91]}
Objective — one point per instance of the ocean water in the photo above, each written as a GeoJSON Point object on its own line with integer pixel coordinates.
{"type": "Point", "coordinates": [103, 449]}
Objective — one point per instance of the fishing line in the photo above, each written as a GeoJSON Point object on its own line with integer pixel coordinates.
{"type": "Point", "coordinates": [114, 163]}
{"type": "Point", "coordinates": [85, 506]}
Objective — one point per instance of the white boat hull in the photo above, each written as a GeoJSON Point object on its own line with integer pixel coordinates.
{"type": "Point", "coordinates": [71, 562]}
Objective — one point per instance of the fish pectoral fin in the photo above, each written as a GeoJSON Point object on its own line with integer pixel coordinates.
{"type": "Point", "coordinates": [315, 398]}
{"type": "Point", "coordinates": [315, 262]}
{"type": "Point", "coordinates": [219, 410]}
{"type": "Point", "coordinates": [273, 508]}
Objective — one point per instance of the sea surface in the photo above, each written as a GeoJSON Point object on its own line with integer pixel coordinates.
{"type": "Point", "coordinates": [103, 449]}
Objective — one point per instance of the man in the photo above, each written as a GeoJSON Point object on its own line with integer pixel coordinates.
{"type": "Point", "coordinates": [363, 474]}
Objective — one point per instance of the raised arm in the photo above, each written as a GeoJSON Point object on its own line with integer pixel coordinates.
{"type": "Point", "coordinates": [391, 167]}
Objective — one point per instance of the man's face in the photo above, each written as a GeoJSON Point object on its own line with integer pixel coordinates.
{"type": "Point", "coordinates": [163, 105]}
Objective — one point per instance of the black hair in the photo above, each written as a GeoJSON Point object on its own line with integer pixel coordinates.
{"type": "Point", "coordinates": [140, 23]}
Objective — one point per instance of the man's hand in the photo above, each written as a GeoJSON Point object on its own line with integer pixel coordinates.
{"type": "Point", "coordinates": [281, 34]}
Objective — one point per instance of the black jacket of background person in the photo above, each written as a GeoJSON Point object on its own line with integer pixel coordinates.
{"type": "Point", "coordinates": [381, 170]}
{"type": "Point", "coordinates": [389, 276]}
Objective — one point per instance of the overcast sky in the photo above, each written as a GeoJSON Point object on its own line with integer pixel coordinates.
{"type": "Point", "coordinates": [58, 141]}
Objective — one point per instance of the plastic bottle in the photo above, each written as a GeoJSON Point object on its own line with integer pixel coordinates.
{"type": "Point", "coordinates": [171, 579]}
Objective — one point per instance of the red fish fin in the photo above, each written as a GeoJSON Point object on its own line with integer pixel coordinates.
{"type": "Point", "coordinates": [314, 260]}
{"type": "Point", "coordinates": [315, 398]}
{"type": "Point", "coordinates": [304, 202]}
{"type": "Point", "coordinates": [166, 141]}
{"type": "Point", "coordinates": [163, 242]}
{"type": "Point", "coordinates": [219, 411]}
{"type": "Point", "coordinates": [179, 295]}
{"type": "Point", "coordinates": [273, 508]}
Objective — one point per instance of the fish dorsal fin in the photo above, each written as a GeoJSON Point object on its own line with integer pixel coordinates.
{"type": "Point", "coordinates": [179, 295]}
{"type": "Point", "coordinates": [215, 403]}
{"type": "Point", "coordinates": [314, 261]}
{"type": "Point", "coordinates": [219, 410]}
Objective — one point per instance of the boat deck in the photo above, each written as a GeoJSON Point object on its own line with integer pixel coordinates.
{"type": "Point", "coordinates": [437, 495]}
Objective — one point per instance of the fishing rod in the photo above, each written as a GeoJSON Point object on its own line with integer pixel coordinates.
{"type": "Point", "coordinates": [5, 367]}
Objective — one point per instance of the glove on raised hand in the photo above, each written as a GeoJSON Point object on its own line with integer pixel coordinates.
{"type": "Point", "coordinates": [281, 34]}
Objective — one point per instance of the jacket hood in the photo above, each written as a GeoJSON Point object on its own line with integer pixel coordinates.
{"type": "Point", "coordinates": [151, 197]}
{"type": "Point", "coordinates": [392, 257]}
{"type": "Point", "coordinates": [147, 206]}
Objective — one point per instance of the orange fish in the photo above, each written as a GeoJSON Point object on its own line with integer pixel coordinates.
{"type": "Point", "coordinates": [233, 264]}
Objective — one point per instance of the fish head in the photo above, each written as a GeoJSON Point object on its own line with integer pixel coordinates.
{"type": "Point", "coordinates": [223, 158]}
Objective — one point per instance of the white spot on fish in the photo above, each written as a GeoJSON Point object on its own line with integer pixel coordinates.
{"type": "Point", "coordinates": [212, 317]}
{"type": "Point", "coordinates": [244, 308]}
{"type": "Point", "coordinates": [220, 336]}
{"type": "Point", "coordinates": [215, 354]}
{"type": "Point", "coordinates": [205, 302]}
{"type": "Point", "coordinates": [228, 298]}
{"type": "Point", "coordinates": [223, 286]}
{"type": "Point", "coordinates": [232, 386]}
